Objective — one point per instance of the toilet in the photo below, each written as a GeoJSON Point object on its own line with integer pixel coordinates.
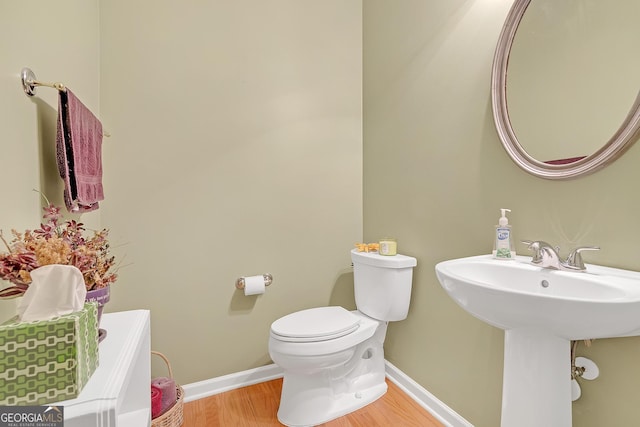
{"type": "Point", "coordinates": [332, 358]}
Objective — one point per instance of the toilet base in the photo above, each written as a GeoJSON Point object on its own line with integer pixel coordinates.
{"type": "Point", "coordinates": [319, 388]}
{"type": "Point", "coordinates": [315, 398]}
{"type": "Point", "coordinates": [306, 408]}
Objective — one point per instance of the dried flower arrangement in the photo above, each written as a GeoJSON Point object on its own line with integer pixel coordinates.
{"type": "Point", "coordinates": [56, 243]}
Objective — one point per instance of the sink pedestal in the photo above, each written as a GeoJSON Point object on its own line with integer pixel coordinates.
{"type": "Point", "coordinates": [536, 387]}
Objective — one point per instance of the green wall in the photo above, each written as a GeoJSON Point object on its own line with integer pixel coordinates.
{"type": "Point", "coordinates": [435, 176]}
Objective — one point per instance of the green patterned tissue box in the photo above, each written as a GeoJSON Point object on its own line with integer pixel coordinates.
{"type": "Point", "coordinates": [48, 361]}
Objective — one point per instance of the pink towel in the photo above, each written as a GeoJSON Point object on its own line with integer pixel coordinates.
{"type": "Point", "coordinates": [79, 154]}
{"type": "Point", "coordinates": [169, 392]}
{"type": "Point", "coordinates": [156, 401]}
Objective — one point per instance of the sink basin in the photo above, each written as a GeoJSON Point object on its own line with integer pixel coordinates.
{"type": "Point", "coordinates": [602, 302]}
{"type": "Point", "coordinates": [541, 311]}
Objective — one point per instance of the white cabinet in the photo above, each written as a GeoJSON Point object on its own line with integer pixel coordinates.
{"type": "Point", "coordinates": [118, 394]}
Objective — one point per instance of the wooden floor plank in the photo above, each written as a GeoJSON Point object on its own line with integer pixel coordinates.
{"type": "Point", "coordinates": [257, 406]}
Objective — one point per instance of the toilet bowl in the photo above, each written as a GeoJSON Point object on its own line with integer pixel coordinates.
{"type": "Point", "coordinates": [333, 376]}
{"type": "Point", "coordinates": [332, 358]}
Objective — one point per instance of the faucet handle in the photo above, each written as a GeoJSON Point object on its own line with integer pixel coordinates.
{"type": "Point", "coordinates": [574, 260]}
{"type": "Point", "coordinates": [538, 247]}
{"type": "Point", "coordinates": [537, 244]}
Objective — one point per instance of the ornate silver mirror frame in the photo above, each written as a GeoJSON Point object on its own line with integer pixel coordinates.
{"type": "Point", "coordinates": [623, 138]}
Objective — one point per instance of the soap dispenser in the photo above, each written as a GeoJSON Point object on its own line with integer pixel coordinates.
{"type": "Point", "coordinates": [503, 244]}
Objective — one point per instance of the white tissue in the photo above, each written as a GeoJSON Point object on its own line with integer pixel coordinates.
{"type": "Point", "coordinates": [254, 285]}
{"type": "Point", "coordinates": [55, 290]}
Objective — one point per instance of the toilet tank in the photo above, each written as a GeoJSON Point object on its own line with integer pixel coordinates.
{"type": "Point", "coordinates": [382, 284]}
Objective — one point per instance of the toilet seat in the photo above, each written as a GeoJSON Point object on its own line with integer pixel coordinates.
{"type": "Point", "coordinates": [284, 346]}
{"type": "Point", "coordinates": [315, 325]}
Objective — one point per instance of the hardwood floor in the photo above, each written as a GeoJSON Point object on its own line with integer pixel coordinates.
{"type": "Point", "coordinates": [257, 405]}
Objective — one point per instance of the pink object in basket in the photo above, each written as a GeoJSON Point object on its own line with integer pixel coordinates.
{"type": "Point", "coordinates": [168, 388]}
{"type": "Point", "coordinates": [156, 401]}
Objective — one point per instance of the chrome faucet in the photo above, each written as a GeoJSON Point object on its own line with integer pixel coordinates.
{"type": "Point", "coordinates": [547, 256]}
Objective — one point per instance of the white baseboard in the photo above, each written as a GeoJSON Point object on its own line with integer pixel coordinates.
{"type": "Point", "coordinates": [206, 388]}
{"type": "Point", "coordinates": [428, 401]}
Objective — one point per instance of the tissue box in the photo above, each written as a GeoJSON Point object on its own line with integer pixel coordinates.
{"type": "Point", "coordinates": [48, 361]}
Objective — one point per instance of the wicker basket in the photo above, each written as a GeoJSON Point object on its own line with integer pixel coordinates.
{"type": "Point", "coordinates": [173, 417]}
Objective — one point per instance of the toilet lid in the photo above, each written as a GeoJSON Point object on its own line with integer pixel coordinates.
{"type": "Point", "coordinates": [315, 324]}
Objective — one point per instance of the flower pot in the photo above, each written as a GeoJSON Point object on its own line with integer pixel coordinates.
{"type": "Point", "coordinates": [101, 296]}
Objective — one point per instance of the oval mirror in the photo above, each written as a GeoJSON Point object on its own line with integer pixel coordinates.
{"type": "Point", "coordinates": [565, 84]}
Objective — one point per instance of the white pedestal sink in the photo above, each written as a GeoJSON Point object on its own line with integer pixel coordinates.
{"type": "Point", "coordinates": [541, 311]}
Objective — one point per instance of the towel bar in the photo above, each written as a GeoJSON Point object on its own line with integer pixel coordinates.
{"type": "Point", "coordinates": [29, 84]}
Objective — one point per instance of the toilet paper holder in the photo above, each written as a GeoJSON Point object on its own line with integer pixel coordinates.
{"type": "Point", "coordinates": [268, 279]}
